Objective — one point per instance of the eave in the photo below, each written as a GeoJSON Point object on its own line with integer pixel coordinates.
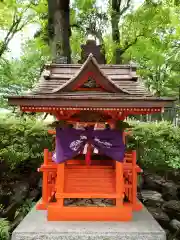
{"type": "Point", "coordinates": [90, 102]}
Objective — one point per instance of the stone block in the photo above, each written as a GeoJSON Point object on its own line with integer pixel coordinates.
{"type": "Point", "coordinates": [36, 227]}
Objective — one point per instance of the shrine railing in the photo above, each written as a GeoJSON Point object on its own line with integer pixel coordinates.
{"type": "Point", "coordinates": [49, 170]}
{"type": "Point", "coordinates": [53, 182]}
{"type": "Point", "coordinates": [54, 179]}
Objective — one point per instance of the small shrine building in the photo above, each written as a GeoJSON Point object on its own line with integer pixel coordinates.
{"type": "Point", "coordinates": [91, 92]}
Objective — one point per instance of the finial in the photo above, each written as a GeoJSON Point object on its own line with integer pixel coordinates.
{"type": "Point", "coordinates": [90, 55]}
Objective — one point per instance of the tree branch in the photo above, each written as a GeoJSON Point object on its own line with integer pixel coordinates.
{"type": "Point", "coordinates": [131, 44]}
{"type": "Point", "coordinates": [125, 8]}
{"type": "Point", "coordinates": [15, 27]}
{"type": "Point", "coordinates": [75, 25]}
{"type": "Point", "coordinates": [14, 22]}
{"type": "Point", "coordinates": [45, 116]}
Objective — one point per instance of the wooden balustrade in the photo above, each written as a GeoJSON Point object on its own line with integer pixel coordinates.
{"type": "Point", "coordinates": [54, 178]}
{"type": "Point", "coordinates": [49, 172]}
{"type": "Point", "coordinates": [78, 179]}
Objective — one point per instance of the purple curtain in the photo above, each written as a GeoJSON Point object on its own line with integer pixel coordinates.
{"type": "Point", "coordinates": [70, 142]}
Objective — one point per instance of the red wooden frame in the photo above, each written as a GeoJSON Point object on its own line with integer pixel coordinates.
{"type": "Point", "coordinates": [61, 181]}
{"type": "Point", "coordinates": [126, 111]}
{"type": "Point", "coordinates": [120, 212]}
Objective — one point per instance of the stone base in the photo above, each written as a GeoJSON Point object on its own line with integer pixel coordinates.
{"type": "Point", "coordinates": [36, 227]}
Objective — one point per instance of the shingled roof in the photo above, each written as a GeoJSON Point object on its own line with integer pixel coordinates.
{"type": "Point", "coordinates": [59, 87]}
{"type": "Point", "coordinates": [122, 79]}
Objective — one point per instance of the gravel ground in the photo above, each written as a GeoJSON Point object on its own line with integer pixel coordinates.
{"type": "Point", "coordinates": [100, 202]}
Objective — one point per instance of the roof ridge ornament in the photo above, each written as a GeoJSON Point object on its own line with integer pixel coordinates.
{"type": "Point", "coordinates": [91, 55]}
{"type": "Point", "coordinates": [133, 65]}
{"type": "Point", "coordinates": [46, 74]}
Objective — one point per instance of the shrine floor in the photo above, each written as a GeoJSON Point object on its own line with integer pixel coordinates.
{"type": "Point", "coordinates": [35, 226]}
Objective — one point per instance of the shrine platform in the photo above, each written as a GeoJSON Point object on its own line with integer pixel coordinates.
{"type": "Point", "coordinates": [35, 226]}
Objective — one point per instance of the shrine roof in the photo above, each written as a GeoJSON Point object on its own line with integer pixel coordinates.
{"type": "Point", "coordinates": [57, 78]}
{"type": "Point", "coordinates": [63, 85]}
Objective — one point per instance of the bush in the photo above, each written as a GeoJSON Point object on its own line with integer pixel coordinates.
{"type": "Point", "coordinates": [25, 208]}
{"type": "Point", "coordinates": [157, 144]}
{"type": "Point", "coordinates": [4, 229]}
{"type": "Point", "coordinates": [22, 141]}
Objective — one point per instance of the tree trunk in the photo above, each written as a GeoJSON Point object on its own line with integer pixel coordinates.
{"type": "Point", "coordinates": [59, 29]}
{"type": "Point", "coordinates": [115, 15]}
{"type": "Point", "coordinates": [119, 8]}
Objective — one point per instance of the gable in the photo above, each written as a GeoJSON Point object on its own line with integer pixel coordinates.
{"type": "Point", "coordinates": [89, 81]}
{"type": "Point", "coordinates": [88, 74]}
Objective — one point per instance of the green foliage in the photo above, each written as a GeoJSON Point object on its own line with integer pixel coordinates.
{"type": "Point", "coordinates": [90, 19]}
{"type": "Point", "coordinates": [22, 141]}
{"type": "Point", "coordinates": [122, 125]}
{"type": "Point", "coordinates": [149, 36]}
{"type": "Point", "coordinates": [15, 15]}
{"type": "Point", "coordinates": [20, 75]}
{"type": "Point", "coordinates": [156, 50]}
{"type": "Point", "coordinates": [1, 207]}
{"type": "Point", "coordinates": [4, 229]}
{"type": "Point", "coordinates": [87, 19]}
{"type": "Point", "coordinates": [109, 47]}
{"type": "Point", "coordinates": [158, 145]}
{"type": "Point", "coordinates": [25, 208]}
{"type": "Point", "coordinates": [76, 40]}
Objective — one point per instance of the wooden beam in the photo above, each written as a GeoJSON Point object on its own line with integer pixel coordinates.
{"type": "Point", "coordinates": [84, 102]}
{"type": "Point", "coordinates": [88, 195]}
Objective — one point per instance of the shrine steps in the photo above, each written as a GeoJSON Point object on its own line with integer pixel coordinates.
{"type": "Point", "coordinates": [57, 213]}
{"type": "Point", "coordinates": [89, 182]}
{"type": "Point", "coordinates": [98, 179]}
{"type": "Point", "coordinates": [74, 179]}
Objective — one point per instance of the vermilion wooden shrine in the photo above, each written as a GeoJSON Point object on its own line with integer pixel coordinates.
{"type": "Point", "coordinates": [90, 93]}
